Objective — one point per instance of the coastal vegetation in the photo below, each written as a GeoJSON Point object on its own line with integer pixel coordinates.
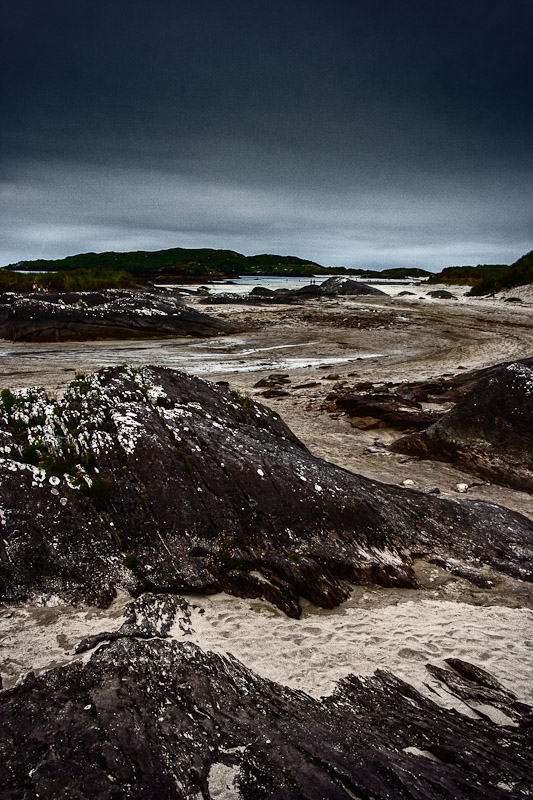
{"type": "Point", "coordinates": [466, 276]}
{"type": "Point", "coordinates": [76, 280]}
{"type": "Point", "coordinates": [192, 264]}
{"type": "Point", "coordinates": [396, 272]}
{"type": "Point", "coordinates": [489, 278]}
{"type": "Point", "coordinates": [518, 274]}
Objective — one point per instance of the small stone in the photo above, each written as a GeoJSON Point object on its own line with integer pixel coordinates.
{"type": "Point", "coordinates": [407, 482]}
{"type": "Point", "coordinates": [461, 487]}
{"type": "Point", "coordinates": [377, 451]}
{"type": "Point", "coordinates": [367, 423]}
{"type": "Point", "coordinates": [307, 385]}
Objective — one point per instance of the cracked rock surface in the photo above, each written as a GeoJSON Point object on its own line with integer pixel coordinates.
{"type": "Point", "coordinates": [157, 719]}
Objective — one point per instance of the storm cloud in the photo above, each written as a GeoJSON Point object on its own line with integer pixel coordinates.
{"type": "Point", "coordinates": [357, 134]}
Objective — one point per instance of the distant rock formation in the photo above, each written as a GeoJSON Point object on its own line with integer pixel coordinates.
{"type": "Point", "coordinates": [442, 294]}
{"type": "Point", "coordinates": [153, 480]}
{"type": "Point", "coordinates": [338, 285]}
{"type": "Point", "coordinates": [333, 287]}
{"type": "Point", "coordinates": [107, 314]}
{"type": "Point", "coordinates": [158, 719]}
{"type": "Point", "coordinates": [490, 429]}
{"type": "Point", "coordinates": [391, 411]}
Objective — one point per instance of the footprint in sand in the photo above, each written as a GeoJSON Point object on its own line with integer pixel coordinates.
{"type": "Point", "coordinates": [413, 655]}
{"type": "Point", "coordinates": [312, 630]}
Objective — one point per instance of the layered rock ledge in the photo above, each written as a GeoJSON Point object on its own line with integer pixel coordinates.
{"type": "Point", "coordinates": [160, 719]}
{"type": "Point", "coordinates": [107, 314]}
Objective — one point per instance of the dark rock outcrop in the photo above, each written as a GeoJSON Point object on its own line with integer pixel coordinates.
{"type": "Point", "coordinates": [396, 412]}
{"type": "Point", "coordinates": [442, 294]}
{"type": "Point", "coordinates": [489, 431]}
{"type": "Point", "coordinates": [161, 720]}
{"type": "Point", "coordinates": [346, 286]}
{"type": "Point", "coordinates": [150, 616]}
{"type": "Point", "coordinates": [107, 314]}
{"type": "Point", "coordinates": [153, 480]}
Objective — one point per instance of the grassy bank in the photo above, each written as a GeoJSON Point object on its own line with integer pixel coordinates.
{"type": "Point", "coordinates": [467, 276]}
{"type": "Point", "coordinates": [79, 280]}
{"type": "Point", "coordinates": [518, 274]}
{"type": "Point", "coordinates": [488, 278]}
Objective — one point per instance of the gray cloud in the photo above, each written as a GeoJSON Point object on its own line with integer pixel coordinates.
{"type": "Point", "coordinates": [361, 134]}
{"type": "Point", "coordinates": [67, 208]}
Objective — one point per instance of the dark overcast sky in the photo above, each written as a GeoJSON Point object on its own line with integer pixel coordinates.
{"type": "Point", "coordinates": [379, 133]}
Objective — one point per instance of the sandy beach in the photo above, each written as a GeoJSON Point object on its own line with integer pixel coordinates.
{"type": "Point", "coordinates": [325, 343]}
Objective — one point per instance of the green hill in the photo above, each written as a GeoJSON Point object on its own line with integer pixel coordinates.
{"type": "Point", "coordinates": [467, 276]}
{"type": "Point", "coordinates": [488, 278]}
{"type": "Point", "coordinates": [178, 263]}
{"type": "Point", "coordinates": [518, 274]}
{"type": "Point", "coordinates": [394, 272]}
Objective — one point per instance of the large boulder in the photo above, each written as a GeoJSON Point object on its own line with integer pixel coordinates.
{"type": "Point", "coordinates": [442, 294]}
{"type": "Point", "coordinates": [163, 720]}
{"type": "Point", "coordinates": [339, 285]}
{"type": "Point", "coordinates": [153, 480]}
{"type": "Point", "coordinates": [107, 314]}
{"type": "Point", "coordinates": [489, 431]}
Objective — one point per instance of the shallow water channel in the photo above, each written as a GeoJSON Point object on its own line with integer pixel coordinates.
{"type": "Point", "coordinates": [201, 357]}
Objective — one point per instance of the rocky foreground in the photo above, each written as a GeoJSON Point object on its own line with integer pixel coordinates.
{"type": "Point", "coordinates": [157, 719]}
{"type": "Point", "coordinates": [150, 479]}
{"type": "Point", "coordinates": [160, 483]}
{"type": "Point", "coordinates": [107, 314]}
